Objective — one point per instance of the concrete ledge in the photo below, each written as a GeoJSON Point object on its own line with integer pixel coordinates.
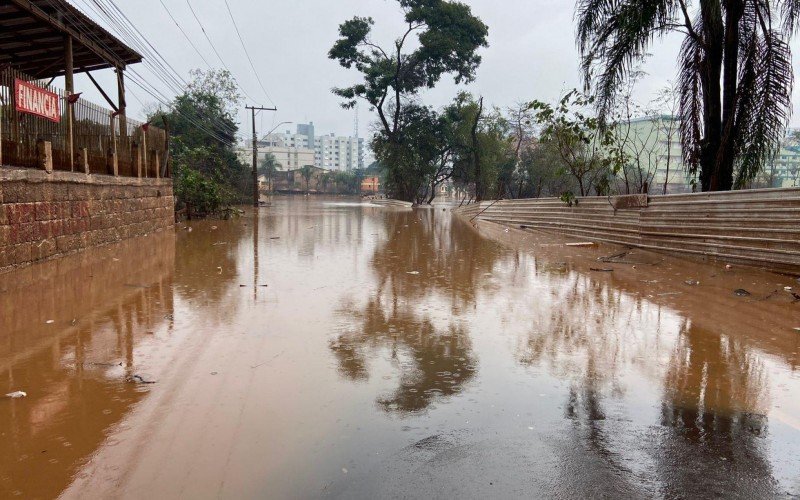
{"type": "Point", "coordinates": [755, 227]}
{"type": "Point", "coordinates": [11, 174]}
{"type": "Point", "coordinates": [47, 215]}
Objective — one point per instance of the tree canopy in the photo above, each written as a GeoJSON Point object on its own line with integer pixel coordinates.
{"type": "Point", "coordinates": [735, 73]}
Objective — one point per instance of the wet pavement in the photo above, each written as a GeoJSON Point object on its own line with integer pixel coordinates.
{"type": "Point", "coordinates": [327, 348]}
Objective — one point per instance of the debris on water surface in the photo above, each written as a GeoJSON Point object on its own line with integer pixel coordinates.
{"type": "Point", "coordinates": [741, 292]}
{"type": "Point", "coordinates": [692, 282]}
{"type": "Point", "coordinates": [412, 272]}
{"type": "Point", "coordinates": [138, 379]}
{"type": "Point", "coordinates": [275, 237]}
{"type": "Point", "coordinates": [581, 244]}
{"type": "Point", "coordinates": [50, 321]}
{"type": "Point", "coordinates": [728, 267]}
{"type": "Point", "coordinates": [16, 394]}
{"type": "Point", "coordinates": [600, 269]}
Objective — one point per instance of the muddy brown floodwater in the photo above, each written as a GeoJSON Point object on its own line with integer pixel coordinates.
{"type": "Point", "coordinates": [334, 349]}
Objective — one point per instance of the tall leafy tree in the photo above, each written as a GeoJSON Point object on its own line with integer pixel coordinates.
{"type": "Point", "coordinates": [735, 72]}
{"type": "Point", "coordinates": [203, 129]}
{"type": "Point", "coordinates": [448, 37]}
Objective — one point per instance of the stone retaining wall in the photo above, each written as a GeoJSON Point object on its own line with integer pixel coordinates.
{"type": "Point", "coordinates": [43, 215]}
{"type": "Point", "coordinates": [759, 227]}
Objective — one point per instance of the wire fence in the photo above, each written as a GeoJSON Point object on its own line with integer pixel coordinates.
{"type": "Point", "coordinates": [108, 138]}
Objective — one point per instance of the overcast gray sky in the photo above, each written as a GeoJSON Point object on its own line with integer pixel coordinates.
{"type": "Point", "coordinates": [531, 53]}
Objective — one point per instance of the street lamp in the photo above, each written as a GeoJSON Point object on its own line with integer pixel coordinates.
{"type": "Point", "coordinates": [269, 173]}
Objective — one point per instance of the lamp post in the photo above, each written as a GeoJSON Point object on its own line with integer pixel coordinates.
{"type": "Point", "coordinates": [269, 173]}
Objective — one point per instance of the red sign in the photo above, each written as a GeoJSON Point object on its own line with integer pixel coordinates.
{"type": "Point", "coordinates": [36, 100]}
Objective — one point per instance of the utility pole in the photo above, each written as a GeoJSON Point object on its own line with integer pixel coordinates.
{"type": "Point", "coordinates": [253, 110]}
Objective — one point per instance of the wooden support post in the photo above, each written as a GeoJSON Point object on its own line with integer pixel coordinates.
{"type": "Point", "coordinates": [144, 149]}
{"type": "Point", "coordinates": [121, 106]}
{"type": "Point", "coordinates": [156, 164]}
{"type": "Point", "coordinates": [69, 83]}
{"type": "Point", "coordinates": [136, 160]}
{"type": "Point", "coordinates": [111, 161]}
{"type": "Point", "coordinates": [102, 92]}
{"type": "Point", "coordinates": [44, 153]}
{"type": "Point", "coordinates": [165, 172]}
{"type": "Point", "coordinates": [83, 160]}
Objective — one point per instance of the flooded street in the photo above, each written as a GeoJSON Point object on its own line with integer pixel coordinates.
{"type": "Point", "coordinates": [326, 348]}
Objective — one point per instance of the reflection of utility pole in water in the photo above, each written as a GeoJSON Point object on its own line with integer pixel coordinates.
{"type": "Point", "coordinates": [255, 255]}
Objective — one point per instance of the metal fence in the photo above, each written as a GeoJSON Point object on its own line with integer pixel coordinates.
{"type": "Point", "coordinates": [758, 227]}
{"type": "Point", "coordinates": [107, 138]}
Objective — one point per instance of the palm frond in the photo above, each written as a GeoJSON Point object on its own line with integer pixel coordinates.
{"type": "Point", "coordinates": [613, 35]}
{"type": "Point", "coordinates": [765, 114]}
{"type": "Point", "coordinates": [690, 104]}
{"type": "Point", "coordinates": [790, 11]}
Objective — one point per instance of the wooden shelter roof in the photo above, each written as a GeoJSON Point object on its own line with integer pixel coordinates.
{"type": "Point", "coordinates": [33, 34]}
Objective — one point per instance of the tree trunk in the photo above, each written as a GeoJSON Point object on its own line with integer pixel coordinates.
{"type": "Point", "coordinates": [476, 157]}
{"type": "Point", "coordinates": [711, 73]}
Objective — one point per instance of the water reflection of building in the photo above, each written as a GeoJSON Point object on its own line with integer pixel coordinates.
{"type": "Point", "coordinates": [68, 332]}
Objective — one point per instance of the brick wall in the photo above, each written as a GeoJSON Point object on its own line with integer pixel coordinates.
{"type": "Point", "coordinates": [46, 215]}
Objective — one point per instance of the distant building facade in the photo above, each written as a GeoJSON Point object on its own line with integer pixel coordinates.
{"type": "Point", "coordinates": [653, 143]}
{"type": "Point", "coordinates": [370, 185]}
{"type": "Point", "coordinates": [330, 151]}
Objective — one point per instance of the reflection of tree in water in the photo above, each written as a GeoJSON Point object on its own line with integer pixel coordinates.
{"type": "Point", "coordinates": [715, 392]}
{"type": "Point", "coordinates": [712, 413]}
{"type": "Point", "coordinates": [434, 362]}
{"type": "Point", "coordinates": [449, 256]}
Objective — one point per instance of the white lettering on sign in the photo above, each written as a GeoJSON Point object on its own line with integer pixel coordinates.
{"type": "Point", "coordinates": [36, 100]}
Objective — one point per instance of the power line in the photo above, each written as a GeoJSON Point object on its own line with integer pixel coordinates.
{"type": "Point", "coordinates": [249, 59]}
{"type": "Point", "coordinates": [214, 48]}
{"type": "Point", "coordinates": [184, 34]}
{"type": "Point", "coordinates": [134, 76]}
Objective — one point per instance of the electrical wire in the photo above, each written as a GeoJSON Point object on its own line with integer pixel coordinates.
{"type": "Point", "coordinates": [134, 78]}
{"type": "Point", "coordinates": [246, 53]}
{"type": "Point", "coordinates": [184, 34]}
{"type": "Point", "coordinates": [214, 48]}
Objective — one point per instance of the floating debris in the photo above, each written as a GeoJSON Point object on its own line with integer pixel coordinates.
{"type": "Point", "coordinates": [138, 379]}
{"type": "Point", "coordinates": [741, 292]}
{"type": "Point", "coordinates": [601, 270]}
{"type": "Point", "coordinates": [581, 244]}
{"type": "Point", "coordinates": [412, 272]}
{"type": "Point", "coordinates": [50, 321]}
{"type": "Point", "coordinates": [16, 394]}
{"type": "Point", "coordinates": [692, 282]}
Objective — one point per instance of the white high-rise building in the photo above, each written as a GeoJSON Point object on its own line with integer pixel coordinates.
{"type": "Point", "coordinates": [331, 152]}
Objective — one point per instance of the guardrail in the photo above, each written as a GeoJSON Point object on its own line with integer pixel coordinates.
{"type": "Point", "coordinates": [92, 140]}
{"type": "Point", "coordinates": [755, 227]}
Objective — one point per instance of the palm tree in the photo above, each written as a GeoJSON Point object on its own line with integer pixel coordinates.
{"type": "Point", "coordinates": [307, 171]}
{"type": "Point", "coordinates": [735, 73]}
{"type": "Point", "coordinates": [269, 165]}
